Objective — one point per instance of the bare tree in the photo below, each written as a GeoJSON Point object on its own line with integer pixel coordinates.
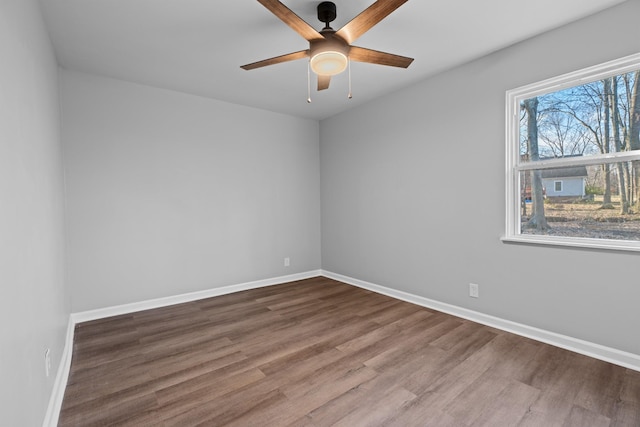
{"type": "Point", "coordinates": [560, 135]}
{"type": "Point", "coordinates": [634, 128]}
{"type": "Point", "coordinates": [611, 86]}
{"type": "Point", "coordinates": [588, 104]}
{"type": "Point", "coordinates": [538, 219]}
{"type": "Point", "coordinates": [606, 144]}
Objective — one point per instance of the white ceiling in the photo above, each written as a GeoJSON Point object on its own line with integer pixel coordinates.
{"type": "Point", "coordinates": [197, 46]}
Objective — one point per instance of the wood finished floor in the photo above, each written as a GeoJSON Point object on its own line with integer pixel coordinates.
{"type": "Point", "coordinates": [320, 353]}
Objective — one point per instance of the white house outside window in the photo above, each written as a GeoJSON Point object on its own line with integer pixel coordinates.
{"type": "Point", "coordinates": [573, 158]}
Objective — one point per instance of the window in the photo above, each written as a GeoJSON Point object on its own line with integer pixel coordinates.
{"type": "Point", "coordinates": [557, 186]}
{"type": "Point", "coordinates": [573, 158]}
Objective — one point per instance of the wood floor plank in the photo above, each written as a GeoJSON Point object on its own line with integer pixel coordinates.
{"type": "Point", "coordinates": [224, 410]}
{"type": "Point", "coordinates": [549, 410]}
{"type": "Point", "coordinates": [461, 375]}
{"type": "Point", "coordinates": [545, 367]}
{"type": "Point", "coordinates": [315, 394]}
{"type": "Point", "coordinates": [318, 352]}
{"type": "Point", "coordinates": [421, 412]}
{"type": "Point", "coordinates": [179, 373]}
{"type": "Point", "coordinates": [298, 365]}
{"type": "Point", "coordinates": [106, 410]}
{"type": "Point", "coordinates": [627, 414]}
{"type": "Point", "coordinates": [627, 411]}
{"type": "Point", "coordinates": [601, 389]}
{"type": "Point", "coordinates": [471, 403]}
{"type": "Point", "coordinates": [580, 417]}
{"type": "Point", "coordinates": [631, 389]}
{"type": "Point", "coordinates": [272, 410]}
{"type": "Point", "coordinates": [509, 407]}
{"type": "Point", "coordinates": [371, 394]}
{"type": "Point", "coordinates": [376, 407]}
{"type": "Point", "coordinates": [398, 354]}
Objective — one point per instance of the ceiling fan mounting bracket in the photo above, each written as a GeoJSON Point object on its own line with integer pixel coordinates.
{"type": "Point", "coordinates": [327, 12]}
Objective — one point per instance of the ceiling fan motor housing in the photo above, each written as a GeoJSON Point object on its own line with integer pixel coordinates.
{"type": "Point", "coordinates": [330, 42]}
{"type": "Point", "coordinates": [327, 12]}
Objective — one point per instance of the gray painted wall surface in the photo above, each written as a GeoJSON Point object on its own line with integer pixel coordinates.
{"type": "Point", "coordinates": [399, 211]}
{"type": "Point", "coordinates": [169, 193]}
{"type": "Point", "coordinates": [34, 304]}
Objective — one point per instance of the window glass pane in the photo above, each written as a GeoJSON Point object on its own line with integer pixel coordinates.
{"type": "Point", "coordinates": [588, 119]}
{"type": "Point", "coordinates": [598, 201]}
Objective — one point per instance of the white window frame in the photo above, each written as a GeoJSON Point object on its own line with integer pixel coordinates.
{"type": "Point", "coordinates": [514, 167]}
{"type": "Point", "coordinates": [555, 186]}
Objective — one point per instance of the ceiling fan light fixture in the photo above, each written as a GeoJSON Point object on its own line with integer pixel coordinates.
{"type": "Point", "coordinates": [329, 63]}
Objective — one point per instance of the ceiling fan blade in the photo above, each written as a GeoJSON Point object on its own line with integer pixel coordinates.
{"type": "Point", "coordinates": [367, 19]}
{"type": "Point", "coordinates": [277, 60]}
{"type": "Point", "coordinates": [323, 82]}
{"type": "Point", "coordinates": [361, 54]}
{"type": "Point", "coordinates": [292, 20]}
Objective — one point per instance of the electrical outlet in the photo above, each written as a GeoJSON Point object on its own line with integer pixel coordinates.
{"type": "Point", "coordinates": [47, 361]}
{"type": "Point", "coordinates": [474, 290]}
{"type": "Point", "coordinates": [287, 262]}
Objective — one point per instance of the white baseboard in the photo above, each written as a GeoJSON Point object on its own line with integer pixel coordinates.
{"type": "Point", "coordinates": [597, 351]}
{"type": "Point", "coordinates": [101, 313]}
{"type": "Point", "coordinates": [60, 384]}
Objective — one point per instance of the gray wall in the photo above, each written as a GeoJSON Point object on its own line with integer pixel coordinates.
{"type": "Point", "coordinates": [413, 194]}
{"type": "Point", "coordinates": [169, 193]}
{"type": "Point", "coordinates": [34, 304]}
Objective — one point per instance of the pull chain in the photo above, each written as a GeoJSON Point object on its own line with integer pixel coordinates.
{"type": "Point", "coordinates": [349, 66]}
{"type": "Point", "coordinates": [309, 82]}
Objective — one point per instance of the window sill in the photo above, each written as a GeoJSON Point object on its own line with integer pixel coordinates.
{"type": "Point", "coordinates": [576, 242]}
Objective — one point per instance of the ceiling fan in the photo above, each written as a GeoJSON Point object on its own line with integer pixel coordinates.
{"type": "Point", "coordinates": [329, 50]}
